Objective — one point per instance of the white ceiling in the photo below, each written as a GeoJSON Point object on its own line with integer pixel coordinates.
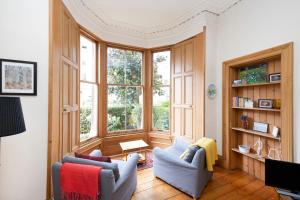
{"type": "Point", "coordinates": [146, 23]}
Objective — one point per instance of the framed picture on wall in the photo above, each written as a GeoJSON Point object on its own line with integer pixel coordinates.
{"type": "Point", "coordinates": [18, 77]}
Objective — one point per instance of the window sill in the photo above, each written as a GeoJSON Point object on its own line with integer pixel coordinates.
{"type": "Point", "coordinates": [118, 133]}
{"type": "Point", "coordinates": [160, 132]}
{"type": "Point", "coordinates": [89, 144]}
{"type": "Point", "coordinates": [86, 140]}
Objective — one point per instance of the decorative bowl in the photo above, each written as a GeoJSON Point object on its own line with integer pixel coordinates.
{"type": "Point", "coordinates": [244, 148]}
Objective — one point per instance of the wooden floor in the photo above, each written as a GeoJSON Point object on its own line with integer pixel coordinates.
{"type": "Point", "coordinates": [227, 185]}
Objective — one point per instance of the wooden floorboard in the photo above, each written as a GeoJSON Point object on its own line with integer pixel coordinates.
{"type": "Point", "coordinates": [225, 185]}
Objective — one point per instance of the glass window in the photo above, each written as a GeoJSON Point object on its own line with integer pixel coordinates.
{"type": "Point", "coordinates": [125, 90]}
{"type": "Point", "coordinates": [88, 111]}
{"type": "Point", "coordinates": [161, 91]}
{"type": "Point", "coordinates": [88, 89]}
{"type": "Point", "coordinates": [87, 59]}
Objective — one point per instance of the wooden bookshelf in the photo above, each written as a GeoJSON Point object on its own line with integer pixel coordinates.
{"type": "Point", "coordinates": [256, 84]}
{"type": "Point", "coordinates": [277, 60]}
{"type": "Point", "coordinates": [250, 155]}
{"type": "Point", "coordinates": [258, 109]}
{"type": "Point", "coordinates": [267, 135]}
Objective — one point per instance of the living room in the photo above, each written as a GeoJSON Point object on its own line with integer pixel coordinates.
{"type": "Point", "coordinates": [116, 78]}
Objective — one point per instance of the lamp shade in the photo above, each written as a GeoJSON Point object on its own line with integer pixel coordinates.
{"type": "Point", "coordinates": [11, 116]}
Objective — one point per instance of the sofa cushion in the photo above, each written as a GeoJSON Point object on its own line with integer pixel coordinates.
{"type": "Point", "coordinates": [190, 153]}
{"type": "Point", "coordinates": [104, 165]}
{"type": "Point", "coordinates": [96, 158]}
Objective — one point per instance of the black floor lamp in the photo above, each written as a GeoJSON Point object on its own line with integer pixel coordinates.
{"type": "Point", "coordinates": [11, 117]}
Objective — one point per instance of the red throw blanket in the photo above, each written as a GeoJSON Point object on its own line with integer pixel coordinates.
{"type": "Point", "coordinates": [79, 182]}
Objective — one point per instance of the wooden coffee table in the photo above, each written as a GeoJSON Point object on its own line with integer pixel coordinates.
{"type": "Point", "coordinates": [139, 146]}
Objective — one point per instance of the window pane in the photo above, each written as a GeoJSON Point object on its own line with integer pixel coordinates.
{"type": "Point", "coordinates": [87, 59]}
{"type": "Point", "coordinates": [161, 68]}
{"type": "Point", "coordinates": [134, 109]}
{"type": "Point", "coordinates": [116, 108]}
{"type": "Point", "coordinates": [161, 108]}
{"type": "Point", "coordinates": [88, 111]}
{"type": "Point", "coordinates": [124, 66]}
{"type": "Point", "coordinates": [125, 108]}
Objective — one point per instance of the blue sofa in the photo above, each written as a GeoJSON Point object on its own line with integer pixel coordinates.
{"type": "Point", "coordinates": [190, 178]}
{"type": "Point", "coordinates": [118, 179]}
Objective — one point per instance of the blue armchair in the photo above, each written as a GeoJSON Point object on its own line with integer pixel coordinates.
{"type": "Point", "coordinates": [118, 179]}
{"type": "Point", "coordinates": [190, 178]}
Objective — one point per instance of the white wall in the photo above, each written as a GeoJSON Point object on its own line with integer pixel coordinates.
{"type": "Point", "coordinates": [24, 36]}
{"type": "Point", "coordinates": [254, 25]}
{"type": "Point", "coordinates": [210, 77]}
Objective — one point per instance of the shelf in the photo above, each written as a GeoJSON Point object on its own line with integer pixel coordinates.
{"type": "Point", "coordinates": [250, 155]}
{"type": "Point", "coordinates": [256, 84]}
{"type": "Point", "coordinates": [260, 109]}
{"type": "Point", "coordinates": [267, 135]}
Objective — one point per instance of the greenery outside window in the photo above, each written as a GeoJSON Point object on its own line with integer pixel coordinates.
{"type": "Point", "coordinates": [88, 89]}
{"type": "Point", "coordinates": [161, 91]}
{"type": "Point", "coordinates": [124, 90]}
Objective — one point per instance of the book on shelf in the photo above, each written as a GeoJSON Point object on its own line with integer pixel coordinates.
{"type": "Point", "coordinates": [234, 102]}
{"type": "Point", "coordinates": [238, 102]}
{"type": "Point", "coordinates": [241, 102]}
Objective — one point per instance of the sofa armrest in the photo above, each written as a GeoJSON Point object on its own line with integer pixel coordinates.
{"type": "Point", "coordinates": [129, 170]}
{"type": "Point", "coordinates": [56, 180]}
{"type": "Point", "coordinates": [96, 153]}
{"type": "Point", "coordinates": [107, 181]}
{"type": "Point", "coordinates": [161, 155]}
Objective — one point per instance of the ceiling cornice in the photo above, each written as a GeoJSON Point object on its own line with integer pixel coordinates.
{"type": "Point", "coordinates": [183, 27]}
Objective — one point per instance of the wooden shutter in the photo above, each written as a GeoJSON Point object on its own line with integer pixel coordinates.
{"type": "Point", "coordinates": [63, 86]}
{"type": "Point", "coordinates": [187, 80]}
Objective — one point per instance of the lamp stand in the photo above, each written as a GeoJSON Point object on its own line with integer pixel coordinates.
{"type": "Point", "coordinates": [0, 151]}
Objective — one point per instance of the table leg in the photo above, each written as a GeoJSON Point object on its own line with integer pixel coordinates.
{"type": "Point", "coordinates": [123, 152]}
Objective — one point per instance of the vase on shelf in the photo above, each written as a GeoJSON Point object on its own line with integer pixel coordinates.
{"type": "Point", "coordinates": [244, 119]}
{"type": "Point", "coordinates": [245, 124]}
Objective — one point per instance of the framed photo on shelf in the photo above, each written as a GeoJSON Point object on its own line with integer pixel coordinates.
{"type": "Point", "coordinates": [18, 77]}
{"type": "Point", "coordinates": [276, 77]}
{"type": "Point", "coordinates": [248, 103]}
{"type": "Point", "coordinates": [261, 127]}
{"type": "Point", "coordinates": [275, 131]}
{"type": "Point", "coordinates": [265, 103]}
{"type": "Point", "coordinates": [254, 74]}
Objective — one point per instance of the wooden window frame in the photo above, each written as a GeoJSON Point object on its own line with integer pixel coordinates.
{"type": "Point", "coordinates": [142, 86]}
{"type": "Point", "coordinates": [95, 83]}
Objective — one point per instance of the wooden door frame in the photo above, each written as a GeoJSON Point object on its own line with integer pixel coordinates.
{"type": "Point", "coordinates": [55, 107]}
{"type": "Point", "coordinates": [53, 86]}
